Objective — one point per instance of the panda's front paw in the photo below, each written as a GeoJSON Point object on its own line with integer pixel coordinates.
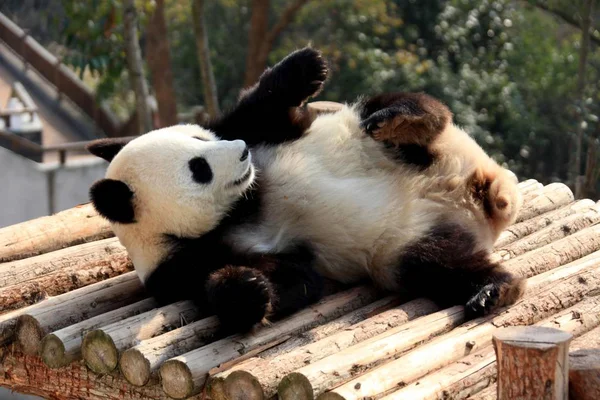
{"type": "Point", "coordinates": [240, 297]}
{"type": "Point", "coordinates": [297, 77]}
{"type": "Point", "coordinates": [483, 302]}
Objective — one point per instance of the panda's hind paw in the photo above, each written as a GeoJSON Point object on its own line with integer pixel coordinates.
{"type": "Point", "coordinates": [240, 296]}
{"type": "Point", "coordinates": [483, 302]}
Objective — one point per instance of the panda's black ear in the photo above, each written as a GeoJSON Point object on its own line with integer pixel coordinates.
{"type": "Point", "coordinates": [113, 200]}
{"type": "Point", "coordinates": [107, 148]}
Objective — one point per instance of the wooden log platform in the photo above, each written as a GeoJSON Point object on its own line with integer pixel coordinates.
{"type": "Point", "coordinates": [75, 322]}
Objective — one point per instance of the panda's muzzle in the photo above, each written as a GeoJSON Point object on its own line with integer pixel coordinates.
{"type": "Point", "coordinates": [244, 177]}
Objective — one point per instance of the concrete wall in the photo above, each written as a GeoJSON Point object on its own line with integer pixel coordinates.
{"type": "Point", "coordinates": [29, 190]}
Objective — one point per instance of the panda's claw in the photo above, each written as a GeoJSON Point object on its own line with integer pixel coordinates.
{"type": "Point", "coordinates": [483, 302]}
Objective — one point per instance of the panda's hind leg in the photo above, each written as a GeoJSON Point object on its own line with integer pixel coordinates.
{"type": "Point", "coordinates": [445, 267]}
{"type": "Point", "coordinates": [406, 123]}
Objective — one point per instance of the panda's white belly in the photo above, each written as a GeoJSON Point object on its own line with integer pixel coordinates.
{"type": "Point", "coordinates": [335, 189]}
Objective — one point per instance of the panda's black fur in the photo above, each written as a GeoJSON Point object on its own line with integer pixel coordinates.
{"type": "Point", "coordinates": [241, 274]}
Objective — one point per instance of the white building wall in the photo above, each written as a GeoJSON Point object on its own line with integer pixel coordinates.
{"type": "Point", "coordinates": [28, 190]}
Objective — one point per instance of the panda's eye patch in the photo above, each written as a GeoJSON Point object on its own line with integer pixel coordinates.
{"type": "Point", "coordinates": [201, 171]}
{"type": "Point", "coordinates": [200, 138]}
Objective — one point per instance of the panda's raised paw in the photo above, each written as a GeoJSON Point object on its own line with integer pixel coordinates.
{"type": "Point", "coordinates": [240, 296]}
{"type": "Point", "coordinates": [483, 302]}
{"type": "Point", "coordinates": [297, 77]}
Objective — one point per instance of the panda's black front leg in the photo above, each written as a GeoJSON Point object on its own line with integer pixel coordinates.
{"type": "Point", "coordinates": [276, 286]}
{"type": "Point", "coordinates": [406, 123]}
{"type": "Point", "coordinates": [269, 112]}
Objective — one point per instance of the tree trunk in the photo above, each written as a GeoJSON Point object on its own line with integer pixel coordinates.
{"type": "Point", "coordinates": [208, 78]}
{"type": "Point", "coordinates": [583, 55]}
{"type": "Point", "coordinates": [259, 23]}
{"type": "Point", "coordinates": [158, 57]}
{"type": "Point", "coordinates": [261, 39]}
{"type": "Point", "coordinates": [135, 66]}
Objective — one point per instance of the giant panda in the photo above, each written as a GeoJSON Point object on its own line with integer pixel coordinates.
{"type": "Point", "coordinates": [248, 214]}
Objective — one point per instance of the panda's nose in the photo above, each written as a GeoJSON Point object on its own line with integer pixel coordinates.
{"type": "Point", "coordinates": [244, 154]}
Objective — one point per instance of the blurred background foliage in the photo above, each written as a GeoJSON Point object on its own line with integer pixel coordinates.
{"type": "Point", "coordinates": [509, 70]}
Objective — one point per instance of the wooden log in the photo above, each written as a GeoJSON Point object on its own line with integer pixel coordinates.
{"type": "Point", "coordinates": [320, 107]}
{"type": "Point", "coordinates": [63, 346]}
{"type": "Point", "coordinates": [553, 196]}
{"type": "Point", "coordinates": [488, 393]}
{"type": "Point", "coordinates": [293, 386]}
{"type": "Point", "coordinates": [528, 184]}
{"type": "Point", "coordinates": [270, 370]}
{"type": "Point", "coordinates": [552, 233]}
{"type": "Point", "coordinates": [27, 374]}
{"type": "Point", "coordinates": [119, 335]}
{"type": "Point", "coordinates": [189, 370]}
{"type": "Point", "coordinates": [555, 254]}
{"type": "Point", "coordinates": [584, 366]}
{"type": "Point", "coordinates": [28, 281]}
{"type": "Point", "coordinates": [74, 226]}
{"type": "Point", "coordinates": [532, 362]}
{"type": "Point", "coordinates": [450, 347]}
{"type": "Point", "coordinates": [388, 310]}
{"type": "Point", "coordinates": [522, 229]}
{"type": "Point", "coordinates": [139, 362]}
{"type": "Point", "coordinates": [474, 372]}
{"type": "Point", "coordinates": [70, 308]}
{"type": "Point", "coordinates": [584, 374]}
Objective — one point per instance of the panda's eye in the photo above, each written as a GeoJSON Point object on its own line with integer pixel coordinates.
{"type": "Point", "coordinates": [200, 138]}
{"type": "Point", "coordinates": [201, 171]}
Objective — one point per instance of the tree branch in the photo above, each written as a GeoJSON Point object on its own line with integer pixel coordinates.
{"type": "Point", "coordinates": [286, 17]}
{"type": "Point", "coordinates": [563, 16]}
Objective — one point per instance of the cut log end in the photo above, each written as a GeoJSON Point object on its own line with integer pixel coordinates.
{"type": "Point", "coordinates": [99, 352]}
{"type": "Point", "coordinates": [53, 352]}
{"type": "Point", "coordinates": [532, 359]}
{"type": "Point", "coordinates": [135, 367]}
{"type": "Point", "coordinates": [29, 334]}
{"type": "Point", "coordinates": [241, 385]}
{"type": "Point", "coordinates": [584, 374]}
{"type": "Point", "coordinates": [295, 386]}
{"type": "Point", "coordinates": [176, 378]}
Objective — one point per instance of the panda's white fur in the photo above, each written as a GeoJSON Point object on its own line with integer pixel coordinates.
{"type": "Point", "coordinates": [336, 189]}
{"type": "Point", "coordinates": [166, 198]}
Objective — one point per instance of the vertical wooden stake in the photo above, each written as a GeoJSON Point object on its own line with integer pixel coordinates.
{"type": "Point", "coordinates": [584, 374]}
{"type": "Point", "coordinates": [533, 363]}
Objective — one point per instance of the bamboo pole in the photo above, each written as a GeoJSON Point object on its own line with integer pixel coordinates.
{"type": "Point", "coordinates": [74, 226]}
{"type": "Point", "coordinates": [559, 229]}
{"type": "Point", "coordinates": [63, 346]}
{"type": "Point", "coordinates": [70, 308]}
{"type": "Point", "coordinates": [553, 196]}
{"type": "Point", "coordinates": [448, 348]}
{"type": "Point", "coordinates": [117, 336]}
{"type": "Point", "coordinates": [522, 229]}
{"type": "Point", "coordinates": [532, 362]}
{"type": "Point", "coordinates": [270, 370]}
{"type": "Point", "coordinates": [25, 282]}
{"type": "Point", "coordinates": [183, 375]}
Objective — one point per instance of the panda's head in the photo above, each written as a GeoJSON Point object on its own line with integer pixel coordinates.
{"type": "Point", "coordinates": [179, 181]}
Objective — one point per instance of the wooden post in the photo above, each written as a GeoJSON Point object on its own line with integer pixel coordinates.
{"type": "Point", "coordinates": [533, 363]}
{"type": "Point", "coordinates": [584, 374]}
